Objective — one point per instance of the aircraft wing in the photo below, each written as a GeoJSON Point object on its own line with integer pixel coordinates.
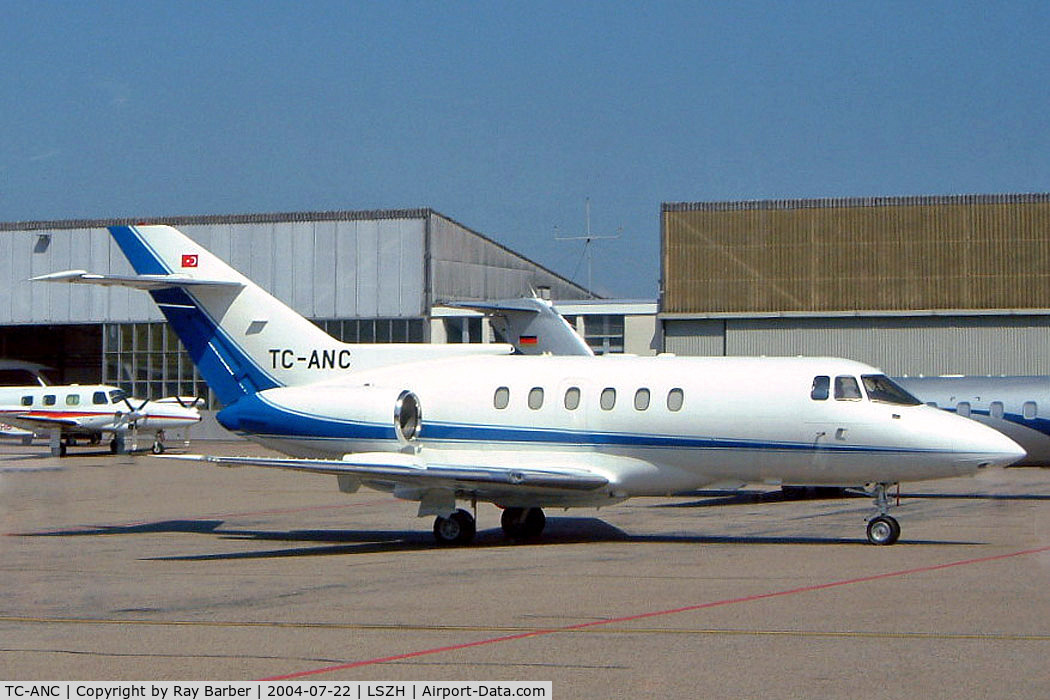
{"type": "Point", "coordinates": [146, 282]}
{"type": "Point", "coordinates": [402, 468]}
{"type": "Point", "coordinates": [42, 421]}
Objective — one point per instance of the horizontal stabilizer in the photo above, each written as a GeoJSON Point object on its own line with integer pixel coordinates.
{"type": "Point", "coordinates": [409, 469]}
{"type": "Point", "coordinates": [146, 282]}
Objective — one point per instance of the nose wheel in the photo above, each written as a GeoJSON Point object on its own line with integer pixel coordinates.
{"type": "Point", "coordinates": [883, 528]}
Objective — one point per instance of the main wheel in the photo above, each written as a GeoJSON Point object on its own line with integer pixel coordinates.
{"type": "Point", "coordinates": [116, 445]}
{"type": "Point", "coordinates": [883, 529]}
{"type": "Point", "coordinates": [158, 448]}
{"type": "Point", "coordinates": [523, 523]}
{"type": "Point", "coordinates": [456, 529]}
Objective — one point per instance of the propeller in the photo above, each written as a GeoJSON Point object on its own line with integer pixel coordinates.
{"type": "Point", "coordinates": [129, 422]}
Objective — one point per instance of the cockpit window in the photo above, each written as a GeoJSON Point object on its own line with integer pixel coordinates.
{"type": "Point", "coordinates": [847, 389]}
{"type": "Point", "coordinates": [821, 388]}
{"type": "Point", "coordinates": [882, 388]}
{"type": "Point", "coordinates": [116, 396]}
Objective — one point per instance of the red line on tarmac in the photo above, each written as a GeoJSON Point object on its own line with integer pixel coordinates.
{"type": "Point", "coordinates": [657, 613]}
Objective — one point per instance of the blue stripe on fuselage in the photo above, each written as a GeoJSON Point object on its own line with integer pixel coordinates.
{"type": "Point", "coordinates": [255, 415]}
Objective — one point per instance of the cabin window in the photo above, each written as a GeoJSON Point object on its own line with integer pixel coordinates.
{"type": "Point", "coordinates": [117, 395]}
{"type": "Point", "coordinates": [1029, 410]}
{"type": "Point", "coordinates": [98, 398]}
{"type": "Point", "coordinates": [675, 399]}
{"type": "Point", "coordinates": [883, 389]}
{"type": "Point", "coordinates": [27, 400]}
{"type": "Point", "coordinates": [536, 398]}
{"type": "Point", "coordinates": [49, 399]}
{"type": "Point", "coordinates": [963, 409]}
{"type": "Point", "coordinates": [932, 404]}
{"type": "Point", "coordinates": [608, 399]}
{"type": "Point", "coordinates": [72, 399]}
{"type": "Point", "coordinates": [847, 389]}
{"type": "Point", "coordinates": [996, 409]}
{"type": "Point", "coordinates": [572, 398]}
{"type": "Point", "coordinates": [501, 399]}
{"type": "Point", "coordinates": [641, 400]}
{"type": "Point", "coordinates": [821, 388]}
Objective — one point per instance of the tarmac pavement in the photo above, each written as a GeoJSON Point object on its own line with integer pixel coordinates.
{"type": "Point", "coordinates": [139, 568]}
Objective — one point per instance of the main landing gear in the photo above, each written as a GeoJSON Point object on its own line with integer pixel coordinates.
{"type": "Point", "coordinates": [457, 529]}
{"type": "Point", "coordinates": [517, 523]}
{"type": "Point", "coordinates": [883, 528]}
{"type": "Point", "coordinates": [523, 523]}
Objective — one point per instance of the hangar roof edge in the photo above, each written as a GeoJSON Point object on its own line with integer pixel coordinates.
{"type": "Point", "coordinates": [205, 219]}
{"type": "Point", "coordinates": [841, 202]}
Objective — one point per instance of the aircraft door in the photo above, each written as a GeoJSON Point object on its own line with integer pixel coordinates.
{"type": "Point", "coordinates": [835, 407]}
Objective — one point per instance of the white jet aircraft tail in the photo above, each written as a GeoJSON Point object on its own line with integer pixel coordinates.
{"type": "Point", "coordinates": [242, 339]}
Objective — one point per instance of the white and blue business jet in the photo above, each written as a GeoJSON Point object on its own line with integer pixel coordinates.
{"type": "Point", "coordinates": [441, 424]}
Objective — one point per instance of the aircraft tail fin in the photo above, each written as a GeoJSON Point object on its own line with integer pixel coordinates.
{"type": "Point", "coordinates": [230, 326]}
{"type": "Point", "coordinates": [242, 339]}
{"type": "Point", "coordinates": [532, 325]}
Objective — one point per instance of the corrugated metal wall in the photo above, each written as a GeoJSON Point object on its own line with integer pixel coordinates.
{"type": "Point", "coordinates": [915, 345]}
{"type": "Point", "coordinates": [467, 266]}
{"type": "Point", "coordinates": [324, 265]}
{"type": "Point", "coordinates": [695, 337]}
{"type": "Point", "coordinates": [979, 252]}
{"type": "Point", "coordinates": [323, 269]}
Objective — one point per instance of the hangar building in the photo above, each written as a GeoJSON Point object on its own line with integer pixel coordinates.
{"type": "Point", "coordinates": [914, 285]}
{"type": "Point", "coordinates": [364, 276]}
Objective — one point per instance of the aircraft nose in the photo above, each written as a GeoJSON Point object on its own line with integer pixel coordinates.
{"type": "Point", "coordinates": [987, 447]}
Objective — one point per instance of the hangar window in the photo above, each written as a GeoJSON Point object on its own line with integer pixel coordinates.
{"type": "Point", "coordinates": [847, 389]}
{"type": "Point", "coordinates": [1029, 410]}
{"type": "Point", "coordinates": [501, 399]}
{"type": "Point", "coordinates": [572, 398]}
{"type": "Point", "coordinates": [98, 398]}
{"type": "Point", "coordinates": [641, 400]}
{"type": "Point", "coordinates": [49, 399]}
{"type": "Point", "coordinates": [72, 399]}
{"type": "Point", "coordinates": [675, 399]}
{"type": "Point", "coordinates": [996, 409]}
{"type": "Point", "coordinates": [536, 398]}
{"type": "Point", "coordinates": [608, 399]}
{"type": "Point", "coordinates": [27, 400]}
{"type": "Point", "coordinates": [821, 388]}
{"type": "Point", "coordinates": [963, 409]}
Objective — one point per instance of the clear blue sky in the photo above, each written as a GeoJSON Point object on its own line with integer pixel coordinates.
{"type": "Point", "coordinates": [506, 115]}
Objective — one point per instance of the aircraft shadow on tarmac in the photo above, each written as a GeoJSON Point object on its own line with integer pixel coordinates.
{"type": "Point", "coordinates": [710, 498]}
{"type": "Point", "coordinates": [559, 531]}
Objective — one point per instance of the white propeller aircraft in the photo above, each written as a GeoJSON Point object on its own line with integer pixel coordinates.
{"type": "Point", "coordinates": [439, 424]}
{"type": "Point", "coordinates": [67, 413]}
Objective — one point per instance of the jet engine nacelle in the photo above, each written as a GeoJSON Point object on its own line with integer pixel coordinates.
{"type": "Point", "coordinates": [365, 412]}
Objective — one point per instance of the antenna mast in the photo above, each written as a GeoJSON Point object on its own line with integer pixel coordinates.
{"type": "Point", "coordinates": [587, 239]}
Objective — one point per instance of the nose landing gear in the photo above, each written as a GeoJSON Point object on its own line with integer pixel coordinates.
{"type": "Point", "coordinates": [883, 528]}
